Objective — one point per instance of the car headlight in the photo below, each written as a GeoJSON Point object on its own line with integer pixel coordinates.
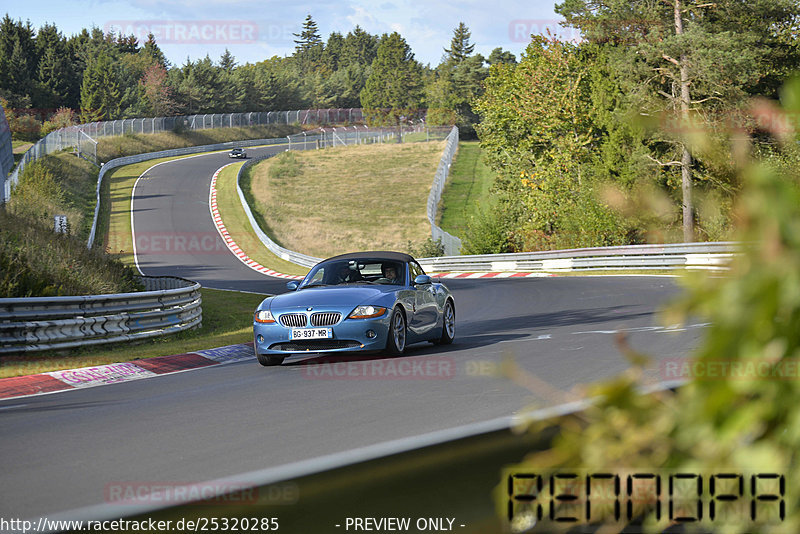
{"type": "Point", "coordinates": [263, 316]}
{"type": "Point", "coordinates": [366, 312]}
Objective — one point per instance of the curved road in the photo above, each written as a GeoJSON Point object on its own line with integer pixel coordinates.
{"type": "Point", "coordinates": [175, 234]}
{"type": "Point", "coordinates": [64, 451]}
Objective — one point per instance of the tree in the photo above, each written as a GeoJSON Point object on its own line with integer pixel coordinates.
{"type": "Point", "coordinates": [452, 92]}
{"type": "Point", "coordinates": [737, 409]}
{"type": "Point", "coordinates": [684, 59]}
{"type": "Point", "coordinates": [332, 54]}
{"type": "Point", "coordinates": [227, 62]}
{"type": "Point", "coordinates": [359, 48]}
{"type": "Point", "coordinates": [151, 50]}
{"type": "Point", "coordinates": [308, 46]}
{"type": "Point", "coordinates": [20, 81]}
{"type": "Point", "coordinates": [537, 132]}
{"type": "Point", "coordinates": [55, 71]}
{"type": "Point", "coordinates": [460, 47]}
{"type": "Point", "coordinates": [499, 55]}
{"type": "Point", "coordinates": [157, 92]}
{"type": "Point", "coordinates": [393, 91]}
{"type": "Point", "coordinates": [18, 62]}
{"type": "Point", "coordinates": [100, 94]}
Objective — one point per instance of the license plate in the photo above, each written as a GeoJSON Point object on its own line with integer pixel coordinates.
{"type": "Point", "coordinates": [311, 333]}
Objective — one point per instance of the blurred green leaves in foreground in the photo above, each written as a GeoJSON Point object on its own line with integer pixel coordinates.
{"type": "Point", "coordinates": [745, 423]}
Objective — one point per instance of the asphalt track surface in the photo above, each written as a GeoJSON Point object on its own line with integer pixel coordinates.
{"type": "Point", "coordinates": [64, 451]}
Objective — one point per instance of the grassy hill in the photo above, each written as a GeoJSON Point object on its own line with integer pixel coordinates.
{"type": "Point", "coordinates": [327, 202]}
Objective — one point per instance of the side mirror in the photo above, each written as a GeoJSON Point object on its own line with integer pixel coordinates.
{"type": "Point", "coordinates": [422, 280]}
{"type": "Point", "coordinates": [292, 286]}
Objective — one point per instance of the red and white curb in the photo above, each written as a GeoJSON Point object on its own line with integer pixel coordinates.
{"type": "Point", "coordinates": [229, 242]}
{"type": "Point", "coordinates": [502, 274]}
{"type": "Point", "coordinates": [87, 377]}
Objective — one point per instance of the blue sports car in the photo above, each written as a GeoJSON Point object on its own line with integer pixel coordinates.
{"type": "Point", "coordinates": [366, 301]}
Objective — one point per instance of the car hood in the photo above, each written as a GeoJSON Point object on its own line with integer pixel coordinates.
{"type": "Point", "coordinates": [333, 296]}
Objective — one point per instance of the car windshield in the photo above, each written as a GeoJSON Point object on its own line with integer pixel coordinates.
{"type": "Point", "coordinates": [358, 271]}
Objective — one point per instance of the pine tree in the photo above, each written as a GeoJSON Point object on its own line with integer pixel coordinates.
{"type": "Point", "coordinates": [332, 54]}
{"type": "Point", "coordinates": [100, 95]}
{"type": "Point", "coordinates": [18, 61]}
{"type": "Point", "coordinates": [499, 55]}
{"type": "Point", "coordinates": [309, 37]}
{"type": "Point", "coordinates": [309, 46]}
{"type": "Point", "coordinates": [227, 62]}
{"type": "Point", "coordinates": [151, 50]}
{"type": "Point", "coordinates": [460, 47]}
{"type": "Point", "coordinates": [55, 73]}
{"type": "Point", "coordinates": [393, 91]}
{"type": "Point", "coordinates": [19, 80]}
{"type": "Point", "coordinates": [360, 47]}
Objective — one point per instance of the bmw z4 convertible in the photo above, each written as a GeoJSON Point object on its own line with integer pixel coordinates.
{"type": "Point", "coordinates": [366, 301]}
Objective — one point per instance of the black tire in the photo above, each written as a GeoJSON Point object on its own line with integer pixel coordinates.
{"type": "Point", "coordinates": [396, 340]}
{"type": "Point", "coordinates": [448, 324]}
{"type": "Point", "coordinates": [269, 361]}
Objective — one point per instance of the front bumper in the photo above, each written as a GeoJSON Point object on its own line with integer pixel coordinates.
{"type": "Point", "coordinates": [348, 335]}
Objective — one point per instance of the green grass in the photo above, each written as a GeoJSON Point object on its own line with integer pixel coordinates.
{"type": "Point", "coordinates": [467, 190]}
{"type": "Point", "coordinates": [238, 226]}
{"type": "Point", "coordinates": [18, 149]}
{"type": "Point", "coordinates": [109, 148]}
{"type": "Point", "coordinates": [227, 320]}
{"type": "Point", "coordinates": [326, 202]}
{"type": "Point", "coordinates": [57, 184]}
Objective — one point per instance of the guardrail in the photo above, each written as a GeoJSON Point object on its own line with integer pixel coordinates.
{"type": "Point", "coordinates": [168, 305]}
{"type": "Point", "coordinates": [451, 243]}
{"type": "Point", "coordinates": [710, 256]}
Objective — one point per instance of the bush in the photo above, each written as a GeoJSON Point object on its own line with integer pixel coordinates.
{"type": "Point", "coordinates": [62, 118]}
{"type": "Point", "coordinates": [25, 128]}
{"type": "Point", "coordinates": [491, 232]}
{"type": "Point", "coordinates": [36, 262]}
{"type": "Point", "coordinates": [37, 195]}
{"type": "Point", "coordinates": [426, 249]}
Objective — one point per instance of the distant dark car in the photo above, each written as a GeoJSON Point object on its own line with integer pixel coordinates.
{"type": "Point", "coordinates": [366, 301]}
{"type": "Point", "coordinates": [238, 153]}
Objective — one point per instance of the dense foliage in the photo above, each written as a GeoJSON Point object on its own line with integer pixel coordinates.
{"type": "Point", "coordinates": [575, 130]}
{"type": "Point", "coordinates": [36, 262]}
{"type": "Point", "coordinates": [96, 75]}
{"type": "Point", "coordinates": [739, 413]}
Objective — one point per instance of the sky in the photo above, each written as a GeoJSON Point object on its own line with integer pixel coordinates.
{"type": "Point", "coordinates": [254, 30]}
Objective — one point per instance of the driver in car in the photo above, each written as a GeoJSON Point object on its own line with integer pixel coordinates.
{"type": "Point", "coordinates": [390, 273]}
